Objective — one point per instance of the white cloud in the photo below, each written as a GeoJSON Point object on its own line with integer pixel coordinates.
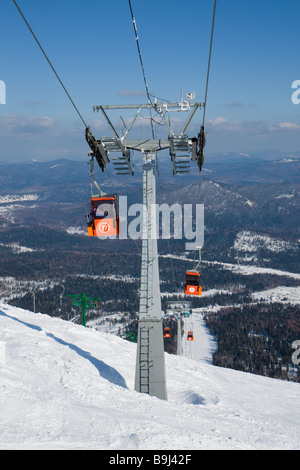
{"type": "Point", "coordinates": [14, 123]}
{"type": "Point", "coordinates": [221, 124]}
{"type": "Point", "coordinates": [98, 125]}
{"type": "Point", "coordinates": [289, 125]}
{"type": "Point", "coordinates": [218, 121]}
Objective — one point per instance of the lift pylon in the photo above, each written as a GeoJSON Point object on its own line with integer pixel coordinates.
{"type": "Point", "coordinates": [150, 375]}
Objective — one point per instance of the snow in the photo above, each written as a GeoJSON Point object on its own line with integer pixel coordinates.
{"type": "Point", "coordinates": [8, 206]}
{"type": "Point", "coordinates": [7, 211]}
{"type": "Point", "coordinates": [205, 293]}
{"type": "Point", "coordinates": [252, 242]}
{"type": "Point", "coordinates": [17, 249]}
{"type": "Point", "coordinates": [64, 386]}
{"type": "Point", "coordinates": [76, 231]}
{"type": "Point", "coordinates": [12, 288]}
{"type": "Point", "coordinates": [113, 277]}
{"type": "Point", "coordinates": [249, 203]}
{"type": "Point", "coordinates": [17, 198]}
{"type": "Point", "coordinates": [285, 196]}
{"type": "Point", "coordinates": [282, 294]}
{"type": "Point", "coordinates": [248, 270]}
{"type": "Point", "coordinates": [203, 346]}
{"type": "Point", "coordinates": [288, 160]}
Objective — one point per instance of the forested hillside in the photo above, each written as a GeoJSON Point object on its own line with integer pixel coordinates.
{"type": "Point", "coordinates": [251, 219]}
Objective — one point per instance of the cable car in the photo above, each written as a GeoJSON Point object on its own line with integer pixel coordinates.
{"type": "Point", "coordinates": [167, 333]}
{"type": "Point", "coordinates": [192, 283]}
{"type": "Point", "coordinates": [104, 218]}
{"type": "Point", "coordinates": [190, 336]}
{"type": "Point", "coordinates": [186, 314]}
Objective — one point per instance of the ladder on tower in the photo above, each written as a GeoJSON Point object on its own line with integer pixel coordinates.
{"type": "Point", "coordinates": [146, 294]}
{"type": "Point", "coordinates": [179, 146]}
{"type": "Point", "coordinates": [145, 362]}
{"type": "Point", "coordinates": [122, 163]}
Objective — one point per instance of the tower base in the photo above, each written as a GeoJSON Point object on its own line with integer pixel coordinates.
{"type": "Point", "coordinates": [150, 364]}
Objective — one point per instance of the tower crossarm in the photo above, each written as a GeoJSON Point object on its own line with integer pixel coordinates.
{"type": "Point", "coordinates": [157, 105]}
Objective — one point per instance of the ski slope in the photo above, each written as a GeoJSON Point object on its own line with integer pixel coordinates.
{"type": "Point", "coordinates": [203, 346]}
{"type": "Point", "coordinates": [63, 386]}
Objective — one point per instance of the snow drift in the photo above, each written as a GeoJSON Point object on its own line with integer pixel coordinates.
{"type": "Point", "coordinates": [63, 386]}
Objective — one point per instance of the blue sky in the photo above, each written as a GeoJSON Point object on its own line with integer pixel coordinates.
{"type": "Point", "coordinates": [92, 46]}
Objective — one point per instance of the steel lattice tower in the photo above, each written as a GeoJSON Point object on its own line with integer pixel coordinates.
{"type": "Point", "coordinates": [150, 375]}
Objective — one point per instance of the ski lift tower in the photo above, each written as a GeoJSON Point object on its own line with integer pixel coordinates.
{"type": "Point", "coordinates": [150, 374]}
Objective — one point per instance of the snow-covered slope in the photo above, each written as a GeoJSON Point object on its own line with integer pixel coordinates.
{"type": "Point", "coordinates": [63, 386]}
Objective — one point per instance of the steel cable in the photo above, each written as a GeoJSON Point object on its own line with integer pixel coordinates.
{"type": "Point", "coordinates": [49, 62]}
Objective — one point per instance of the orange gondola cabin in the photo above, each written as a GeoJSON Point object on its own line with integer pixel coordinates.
{"type": "Point", "coordinates": [190, 336]}
{"type": "Point", "coordinates": [167, 333]}
{"type": "Point", "coordinates": [104, 219]}
{"type": "Point", "coordinates": [192, 283]}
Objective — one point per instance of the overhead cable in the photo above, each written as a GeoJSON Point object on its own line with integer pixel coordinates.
{"type": "Point", "coordinates": [141, 61]}
{"type": "Point", "coordinates": [209, 58]}
{"type": "Point", "coordinates": [48, 60]}
{"type": "Point", "coordinates": [202, 133]}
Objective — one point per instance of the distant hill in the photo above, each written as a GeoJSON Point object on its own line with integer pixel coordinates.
{"type": "Point", "coordinates": [252, 194]}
